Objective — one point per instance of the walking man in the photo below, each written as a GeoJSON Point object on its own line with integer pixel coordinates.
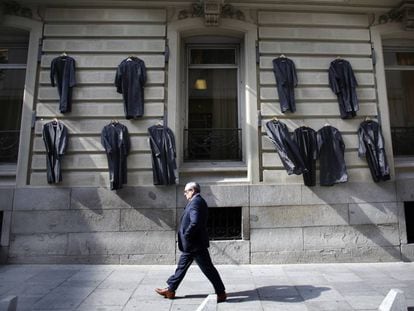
{"type": "Point", "coordinates": [193, 242]}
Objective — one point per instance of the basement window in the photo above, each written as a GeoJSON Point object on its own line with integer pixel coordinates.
{"type": "Point", "coordinates": [225, 223]}
{"type": "Point", "coordinates": [409, 220]}
{"type": "Point", "coordinates": [1, 224]}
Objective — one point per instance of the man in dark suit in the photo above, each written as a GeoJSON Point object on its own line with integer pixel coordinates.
{"type": "Point", "coordinates": [193, 242]}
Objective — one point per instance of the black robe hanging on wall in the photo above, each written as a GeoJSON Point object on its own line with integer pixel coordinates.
{"type": "Point", "coordinates": [331, 149]}
{"type": "Point", "coordinates": [55, 137]}
{"type": "Point", "coordinates": [371, 146]}
{"type": "Point", "coordinates": [115, 140]}
{"type": "Point", "coordinates": [163, 152]}
{"type": "Point", "coordinates": [306, 139]}
{"type": "Point", "coordinates": [286, 147]}
{"type": "Point", "coordinates": [343, 83]}
{"type": "Point", "coordinates": [62, 69]}
{"type": "Point", "coordinates": [285, 74]}
{"type": "Point", "coordinates": [130, 79]}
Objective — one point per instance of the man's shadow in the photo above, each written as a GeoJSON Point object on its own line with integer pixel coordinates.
{"type": "Point", "coordinates": [280, 293]}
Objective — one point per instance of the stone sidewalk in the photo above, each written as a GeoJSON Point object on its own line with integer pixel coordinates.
{"type": "Point", "coordinates": [312, 287]}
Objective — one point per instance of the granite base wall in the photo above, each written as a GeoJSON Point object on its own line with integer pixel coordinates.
{"type": "Point", "coordinates": [137, 225]}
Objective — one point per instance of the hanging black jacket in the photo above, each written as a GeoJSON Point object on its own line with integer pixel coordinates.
{"type": "Point", "coordinates": [63, 69]}
{"type": "Point", "coordinates": [163, 152]}
{"type": "Point", "coordinates": [55, 137]}
{"type": "Point", "coordinates": [130, 79]}
{"type": "Point", "coordinates": [343, 83]}
{"type": "Point", "coordinates": [115, 140]}
{"type": "Point", "coordinates": [285, 74]}
{"type": "Point", "coordinates": [286, 147]}
{"type": "Point", "coordinates": [306, 139]}
{"type": "Point", "coordinates": [331, 149]}
{"type": "Point", "coordinates": [371, 146]}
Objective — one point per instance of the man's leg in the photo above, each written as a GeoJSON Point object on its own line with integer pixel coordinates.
{"type": "Point", "coordinates": [203, 260]}
{"type": "Point", "coordinates": [183, 264]}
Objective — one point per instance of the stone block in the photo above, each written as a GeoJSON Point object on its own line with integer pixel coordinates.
{"type": "Point", "coordinates": [230, 252]}
{"type": "Point", "coordinates": [405, 189]}
{"type": "Point", "coordinates": [41, 198]}
{"type": "Point", "coordinates": [407, 252]}
{"type": "Point", "coordinates": [122, 243]}
{"type": "Point", "coordinates": [350, 193]}
{"type": "Point", "coordinates": [373, 213]}
{"type": "Point", "coordinates": [148, 219]}
{"type": "Point", "coordinates": [65, 221]}
{"type": "Point", "coordinates": [6, 199]}
{"type": "Point", "coordinates": [394, 301]}
{"type": "Point", "coordinates": [268, 240]}
{"type": "Point", "coordinates": [38, 244]}
{"type": "Point", "coordinates": [328, 255]}
{"type": "Point", "coordinates": [273, 195]}
{"type": "Point", "coordinates": [148, 259]}
{"type": "Point", "coordinates": [5, 228]}
{"type": "Point", "coordinates": [67, 260]}
{"type": "Point", "coordinates": [298, 216]}
{"type": "Point", "coordinates": [8, 303]}
{"type": "Point", "coordinates": [219, 196]}
{"type": "Point", "coordinates": [351, 236]}
{"type": "Point", "coordinates": [128, 197]}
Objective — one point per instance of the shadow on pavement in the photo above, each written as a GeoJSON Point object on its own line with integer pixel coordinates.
{"type": "Point", "coordinates": [281, 293]}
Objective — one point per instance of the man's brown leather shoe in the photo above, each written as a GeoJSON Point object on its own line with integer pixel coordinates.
{"type": "Point", "coordinates": [165, 292]}
{"type": "Point", "coordinates": [221, 297]}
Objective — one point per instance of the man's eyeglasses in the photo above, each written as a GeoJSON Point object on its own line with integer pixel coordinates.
{"type": "Point", "coordinates": [186, 191]}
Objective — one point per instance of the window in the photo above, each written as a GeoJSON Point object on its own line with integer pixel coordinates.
{"type": "Point", "coordinates": [409, 220]}
{"type": "Point", "coordinates": [224, 223]}
{"type": "Point", "coordinates": [13, 56]}
{"type": "Point", "coordinates": [212, 130]}
{"type": "Point", "coordinates": [399, 73]}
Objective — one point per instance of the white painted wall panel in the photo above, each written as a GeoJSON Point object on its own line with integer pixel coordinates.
{"type": "Point", "coordinates": [311, 33]}
{"type": "Point", "coordinates": [106, 15]}
{"type": "Point", "coordinates": [104, 30]}
{"type": "Point", "coordinates": [313, 19]}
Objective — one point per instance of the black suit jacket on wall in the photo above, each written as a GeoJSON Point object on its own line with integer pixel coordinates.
{"type": "Point", "coordinates": [193, 235]}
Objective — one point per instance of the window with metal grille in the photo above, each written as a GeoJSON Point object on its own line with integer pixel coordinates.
{"type": "Point", "coordinates": [409, 220]}
{"type": "Point", "coordinates": [225, 223]}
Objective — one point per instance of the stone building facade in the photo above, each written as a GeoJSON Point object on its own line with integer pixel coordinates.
{"type": "Point", "coordinates": [80, 220]}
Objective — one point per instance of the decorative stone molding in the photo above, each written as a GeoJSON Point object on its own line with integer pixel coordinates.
{"type": "Point", "coordinates": [11, 7]}
{"type": "Point", "coordinates": [212, 11]}
{"type": "Point", "coordinates": [404, 14]}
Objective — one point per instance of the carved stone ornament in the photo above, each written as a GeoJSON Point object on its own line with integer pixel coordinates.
{"type": "Point", "coordinates": [212, 11]}
{"type": "Point", "coordinates": [404, 14]}
{"type": "Point", "coordinates": [12, 7]}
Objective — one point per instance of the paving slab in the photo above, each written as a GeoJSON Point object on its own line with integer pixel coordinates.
{"type": "Point", "coordinates": [301, 287]}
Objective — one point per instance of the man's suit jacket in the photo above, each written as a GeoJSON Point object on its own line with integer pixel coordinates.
{"type": "Point", "coordinates": [192, 235]}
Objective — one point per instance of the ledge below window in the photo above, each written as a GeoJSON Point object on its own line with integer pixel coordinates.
{"type": "Point", "coordinates": [213, 172]}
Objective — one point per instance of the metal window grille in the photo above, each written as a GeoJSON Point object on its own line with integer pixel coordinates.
{"type": "Point", "coordinates": [225, 223]}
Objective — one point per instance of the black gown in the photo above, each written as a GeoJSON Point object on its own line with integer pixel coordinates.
{"type": "Point", "coordinates": [62, 69]}
{"type": "Point", "coordinates": [55, 137]}
{"type": "Point", "coordinates": [115, 140]}
{"type": "Point", "coordinates": [331, 150]}
{"type": "Point", "coordinates": [163, 154]}
{"type": "Point", "coordinates": [371, 146]}
{"type": "Point", "coordinates": [286, 147]}
{"type": "Point", "coordinates": [306, 139]}
{"type": "Point", "coordinates": [130, 79]}
{"type": "Point", "coordinates": [343, 83]}
{"type": "Point", "coordinates": [285, 75]}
